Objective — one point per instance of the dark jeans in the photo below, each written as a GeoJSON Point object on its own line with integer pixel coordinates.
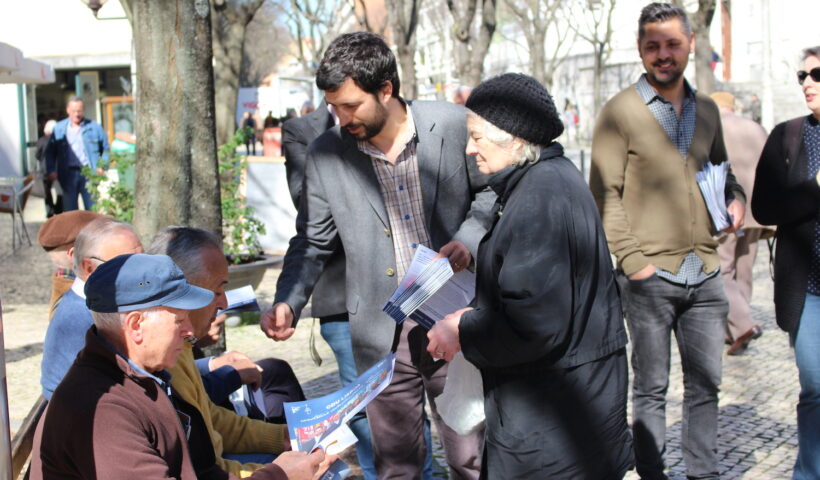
{"type": "Point", "coordinates": [697, 314]}
{"type": "Point", "coordinates": [74, 183]}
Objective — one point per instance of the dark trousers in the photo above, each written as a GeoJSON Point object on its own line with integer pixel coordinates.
{"type": "Point", "coordinates": [74, 184]}
{"type": "Point", "coordinates": [279, 385]}
{"type": "Point", "coordinates": [53, 206]}
{"type": "Point", "coordinates": [397, 415]}
{"type": "Point", "coordinates": [697, 314]}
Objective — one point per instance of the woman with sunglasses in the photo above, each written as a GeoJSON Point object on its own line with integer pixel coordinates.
{"type": "Point", "coordinates": [787, 194]}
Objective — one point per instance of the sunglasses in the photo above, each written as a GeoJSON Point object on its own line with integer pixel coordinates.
{"type": "Point", "coordinates": [814, 73]}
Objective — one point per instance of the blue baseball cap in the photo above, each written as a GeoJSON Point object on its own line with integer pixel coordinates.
{"type": "Point", "coordinates": [139, 281]}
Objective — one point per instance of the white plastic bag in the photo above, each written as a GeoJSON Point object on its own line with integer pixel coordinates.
{"type": "Point", "coordinates": [461, 404]}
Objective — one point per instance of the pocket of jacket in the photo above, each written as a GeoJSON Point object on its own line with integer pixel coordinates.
{"type": "Point", "coordinates": [352, 304]}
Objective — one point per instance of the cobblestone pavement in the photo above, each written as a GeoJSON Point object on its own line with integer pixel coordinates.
{"type": "Point", "coordinates": [757, 405]}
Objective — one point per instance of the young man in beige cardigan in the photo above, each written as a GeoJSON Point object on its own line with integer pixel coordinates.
{"type": "Point", "coordinates": [649, 142]}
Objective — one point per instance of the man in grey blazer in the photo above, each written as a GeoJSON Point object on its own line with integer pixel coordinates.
{"type": "Point", "coordinates": [393, 175]}
{"type": "Point", "coordinates": [328, 299]}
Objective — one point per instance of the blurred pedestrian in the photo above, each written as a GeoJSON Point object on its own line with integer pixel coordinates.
{"type": "Point", "coordinates": [270, 120]}
{"type": "Point", "coordinates": [76, 142]}
{"type": "Point", "coordinates": [249, 125]}
{"type": "Point", "coordinates": [307, 108]}
{"type": "Point", "coordinates": [545, 328]}
{"type": "Point", "coordinates": [744, 141]}
{"type": "Point", "coordinates": [462, 94]}
{"type": "Point", "coordinates": [650, 141]}
{"type": "Point", "coordinates": [787, 194]}
{"type": "Point", "coordinates": [57, 237]}
{"type": "Point", "coordinates": [53, 207]}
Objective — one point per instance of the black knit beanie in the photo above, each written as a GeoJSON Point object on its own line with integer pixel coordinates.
{"type": "Point", "coordinates": [519, 105]}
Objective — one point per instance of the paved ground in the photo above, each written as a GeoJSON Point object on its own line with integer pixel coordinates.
{"type": "Point", "coordinates": [757, 407]}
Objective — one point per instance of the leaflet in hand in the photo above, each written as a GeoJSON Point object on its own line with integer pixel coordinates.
{"type": "Point", "coordinates": [430, 290]}
{"type": "Point", "coordinates": [712, 183]}
{"type": "Point", "coordinates": [241, 299]}
{"type": "Point", "coordinates": [322, 422]}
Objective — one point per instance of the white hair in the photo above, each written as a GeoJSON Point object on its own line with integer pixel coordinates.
{"type": "Point", "coordinates": [113, 322]}
{"type": "Point", "coordinates": [529, 152]}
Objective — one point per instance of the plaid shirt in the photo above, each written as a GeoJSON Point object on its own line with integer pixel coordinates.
{"type": "Point", "coordinates": [680, 131]}
{"type": "Point", "coordinates": [401, 191]}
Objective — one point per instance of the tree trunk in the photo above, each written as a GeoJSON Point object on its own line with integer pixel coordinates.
{"type": "Point", "coordinates": [704, 76]}
{"type": "Point", "coordinates": [597, 73]}
{"type": "Point", "coordinates": [176, 163]}
{"type": "Point", "coordinates": [403, 21]}
{"type": "Point", "coordinates": [471, 50]}
{"type": "Point", "coordinates": [538, 57]}
{"type": "Point", "coordinates": [229, 20]}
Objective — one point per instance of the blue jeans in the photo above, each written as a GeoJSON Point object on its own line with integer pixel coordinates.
{"type": "Point", "coordinates": [337, 335]}
{"type": "Point", "coordinates": [806, 346]}
{"type": "Point", "coordinates": [654, 309]}
{"type": "Point", "coordinates": [73, 183]}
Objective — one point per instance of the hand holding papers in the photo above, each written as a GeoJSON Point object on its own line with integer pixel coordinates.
{"type": "Point", "coordinates": [322, 422]}
{"type": "Point", "coordinates": [430, 290]}
{"type": "Point", "coordinates": [712, 183]}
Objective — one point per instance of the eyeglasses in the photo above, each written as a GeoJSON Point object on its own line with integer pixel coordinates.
{"type": "Point", "coordinates": [97, 259]}
{"type": "Point", "coordinates": [814, 73]}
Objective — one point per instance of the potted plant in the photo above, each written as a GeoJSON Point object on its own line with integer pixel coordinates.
{"type": "Point", "coordinates": [240, 228]}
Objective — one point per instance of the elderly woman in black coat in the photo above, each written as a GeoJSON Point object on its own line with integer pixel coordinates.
{"type": "Point", "coordinates": [546, 327]}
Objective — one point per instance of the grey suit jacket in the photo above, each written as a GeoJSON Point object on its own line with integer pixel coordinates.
{"type": "Point", "coordinates": [342, 204]}
{"type": "Point", "coordinates": [297, 134]}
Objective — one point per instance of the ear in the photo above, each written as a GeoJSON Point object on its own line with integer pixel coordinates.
{"type": "Point", "coordinates": [87, 267]}
{"type": "Point", "coordinates": [70, 254]}
{"type": "Point", "coordinates": [692, 42]}
{"type": "Point", "coordinates": [132, 327]}
{"type": "Point", "coordinates": [386, 91]}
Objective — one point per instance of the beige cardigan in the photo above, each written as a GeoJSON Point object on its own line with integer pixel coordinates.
{"type": "Point", "coordinates": [650, 203]}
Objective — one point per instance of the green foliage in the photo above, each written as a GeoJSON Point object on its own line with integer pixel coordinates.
{"type": "Point", "coordinates": [113, 198]}
{"type": "Point", "coordinates": [240, 228]}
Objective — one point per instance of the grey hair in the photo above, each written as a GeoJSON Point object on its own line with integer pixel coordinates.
{"type": "Point", "coordinates": [811, 52]}
{"type": "Point", "coordinates": [112, 322]}
{"type": "Point", "coordinates": [74, 98]}
{"type": "Point", "coordinates": [49, 127]}
{"type": "Point", "coordinates": [529, 152]}
{"type": "Point", "coordinates": [661, 12]}
{"type": "Point", "coordinates": [93, 235]}
{"type": "Point", "coordinates": [183, 245]}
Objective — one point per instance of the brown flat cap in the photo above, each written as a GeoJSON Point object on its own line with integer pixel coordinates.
{"type": "Point", "coordinates": [62, 229]}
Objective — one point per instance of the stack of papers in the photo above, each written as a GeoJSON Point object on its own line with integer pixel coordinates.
{"type": "Point", "coordinates": [430, 290]}
{"type": "Point", "coordinates": [241, 299]}
{"type": "Point", "coordinates": [712, 183]}
{"type": "Point", "coordinates": [322, 422]}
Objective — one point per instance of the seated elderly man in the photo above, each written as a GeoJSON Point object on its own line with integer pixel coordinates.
{"type": "Point", "coordinates": [241, 444]}
{"type": "Point", "coordinates": [57, 236]}
{"type": "Point", "coordinates": [115, 415]}
{"type": "Point", "coordinates": [99, 241]}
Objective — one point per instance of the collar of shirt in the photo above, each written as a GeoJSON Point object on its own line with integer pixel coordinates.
{"type": "Point", "coordinates": [368, 149]}
{"type": "Point", "coordinates": [78, 287]}
{"type": "Point", "coordinates": [162, 377]}
{"type": "Point", "coordinates": [649, 94]}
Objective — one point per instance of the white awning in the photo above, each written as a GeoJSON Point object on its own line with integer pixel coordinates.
{"type": "Point", "coordinates": [30, 71]}
{"type": "Point", "coordinates": [10, 58]}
